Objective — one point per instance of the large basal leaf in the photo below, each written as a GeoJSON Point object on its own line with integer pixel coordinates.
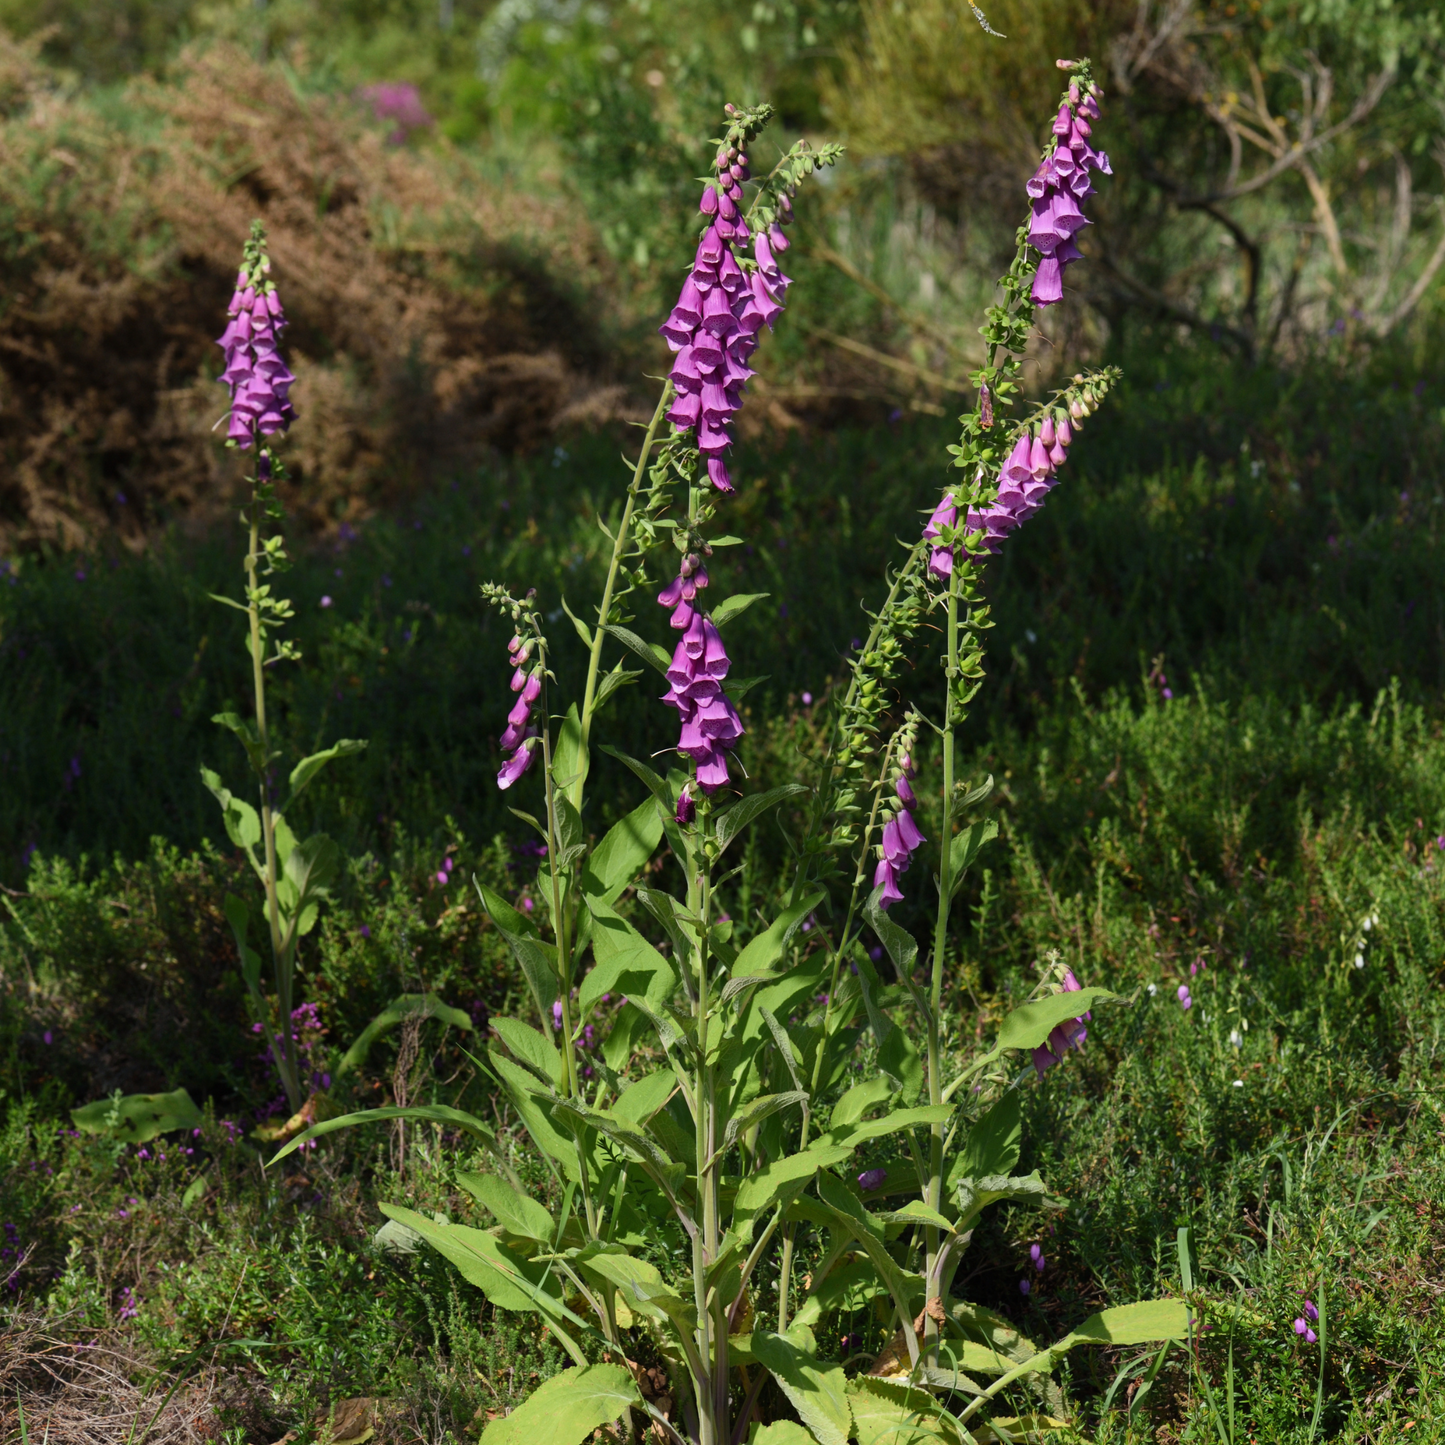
{"type": "Point", "coordinates": [567, 1408]}
{"type": "Point", "coordinates": [139, 1117]}
{"type": "Point", "coordinates": [847, 1210]}
{"type": "Point", "coordinates": [514, 1211]}
{"type": "Point", "coordinates": [817, 1391]}
{"type": "Point", "coordinates": [637, 1103]}
{"type": "Point", "coordinates": [1028, 1026]}
{"type": "Point", "coordinates": [857, 1101]}
{"type": "Point", "coordinates": [849, 1288]}
{"type": "Point", "coordinates": [641, 1286]}
{"type": "Point", "coordinates": [888, 1413]}
{"type": "Point", "coordinates": [973, 1196]}
{"type": "Point", "coordinates": [419, 1006]}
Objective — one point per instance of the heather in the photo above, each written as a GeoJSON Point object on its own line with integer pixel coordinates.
{"type": "Point", "coordinates": [549, 1045]}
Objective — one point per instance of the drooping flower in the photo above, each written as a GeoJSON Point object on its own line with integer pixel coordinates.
{"type": "Point", "coordinates": [901, 838]}
{"type": "Point", "coordinates": [1057, 187]}
{"type": "Point", "coordinates": [710, 723]}
{"type": "Point", "coordinates": [1068, 1035]}
{"type": "Point", "coordinates": [681, 592]}
{"type": "Point", "coordinates": [1185, 1001]}
{"type": "Point", "coordinates": [1036, 1254]}
{"type": "Point", "coordinates": [519, 740]}
{"type": "Point", "coordinates": [714, 326]}
{"type": "Point", "coordinates": [686, 807]}
{"type": "Point", "coordinates": [872, 1179]}
{"type": "Point", "coordinates": [259, 381]}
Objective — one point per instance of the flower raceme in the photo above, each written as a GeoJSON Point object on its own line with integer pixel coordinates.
{"type": "Point", "coordinates": [714, 326]}
{"type": "Point", "coordinates": [519, 740]}
{"type": "Point", "coordinates": [1057, 188]}
{"type": "Point", "coordinates": [259, 380]}
{"type": "Point", "coordinates": [710, 723]}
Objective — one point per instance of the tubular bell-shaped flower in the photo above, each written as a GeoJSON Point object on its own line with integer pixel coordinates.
{"type": "Point", "coordinates": [710, 723]}
{"type": "Point", "coordinates": [259, 381]}
{"type": "Point", "coordinates": [901, 837]}
{"type": "Point", "coordinates": [1057, 187]}
{"type": "Point", "coordinates": [519, 740]}
{"type": "Point", "coordinates": [1068, 1035]}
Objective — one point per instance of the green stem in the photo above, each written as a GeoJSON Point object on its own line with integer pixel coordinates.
{"type": "Point", "coordinates": [940, 939]}
{"type": "Point", "coordinates": [285, 1056]}
{"type": "Point", "coordinates": [619, 546]}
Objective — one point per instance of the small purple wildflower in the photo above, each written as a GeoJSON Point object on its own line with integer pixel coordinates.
{"type": "Point", "coordinates": [1024, 1286]}
{"type": "Point", "coordinates": [1037, 1255]}
{"type": "Point", "coordinates": [871, 1179]}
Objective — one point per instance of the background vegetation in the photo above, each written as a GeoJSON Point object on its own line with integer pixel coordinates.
{"type": "Point", "coordinates": [1215, 699]}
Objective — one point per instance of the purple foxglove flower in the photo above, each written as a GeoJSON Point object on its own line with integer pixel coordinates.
{"type": "Point", "coordinates": [717, 473]}
{"type": "Point", "coordinates": [708, 204]}
{"type": "Point", "coordinates": [886, 878]}
{"type": "Point", "coordinates": [871, 1179]}
{"type": "Point", "coordinates": [686, 411]}
{"type": "Point", "coordinates": [1068, 1035]}
{"type": "Point", "coordinates": [1055, 189]}
{"type": "Point", "coordinates": [945, 514]}
{"type": "Point", "coordinates": [517, 764]}
{"type": "Point", "coordinates": [686, 808]}
{"type": "Point", "coordinates": [1311, 1313]}
{"type": "Point", "coordinates": [904, 789]}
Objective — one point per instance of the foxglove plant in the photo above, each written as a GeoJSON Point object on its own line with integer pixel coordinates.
{"type": "Point", "coordinates": [294, 876]}
{"type": "Point", "coordinates": [732, 1129]}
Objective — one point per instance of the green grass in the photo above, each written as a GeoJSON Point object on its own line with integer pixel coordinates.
{"type": "Point", "coordinates": [1292, 789]}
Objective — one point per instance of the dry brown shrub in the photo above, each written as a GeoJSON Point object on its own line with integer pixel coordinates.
{"type": "Point", "coordinates": [435, 313]}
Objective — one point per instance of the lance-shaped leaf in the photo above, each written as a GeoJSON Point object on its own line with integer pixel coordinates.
{"type": "Point", "coordinates": [238, 915]}
{"type": "Point", "coordinates": [535, 1109]}
{"type": "Point", "coordinates": [637, 1144]}
{"type": "Point", "coordinates": [243, 822]}
{"type": "Point", "coordinates": [993, 1144]}
{"type": "Point", "coordinates": [887, 1412]}
{"type": "Point", "coordinates": [865, 1129]}
{"type": "Point", "coordinates": [917, 1212]}
{"type": "Point", "coordinates": [641, 1285]}
{"type": "Point", "coordinates": [767, 948]}
{"type": "Point", "coordinates": [1145, 1323]}
{"type": "Point", "coordinates": [779, 1183]}
{"type": "Point", "coordinates": [975, 1195]}
{"type": "Point", "coordinates": [567, 1408]}
{"type": "Point", "coordinates": [137, 1118]}
{"type": "Point", "coordinates": [618, 677]}
{"type": "Point", "coordinates": [245, 732]}
{"type": "Point", "coordinates": [818, 1392]}
{"type": "Point", "coordinates": [625, 847]}
{"type": "Point", "coordinates": [511, 1283]}
{"type": "Point", "coordinates": [734, 819]}
{"type": "Point", "coordinates": [310, 867]}
{"type": "Point", "coordinates": [626, 961]}
{"type": "Point", "coordinates": [640, 1101]}
{"type": "Point", "coordinates": [536, 1054]}
{"type": "Point", "coordinates": [503, 914]}
{"type": "Point", "coordinates": [1027, 1027]}
{"type": "Point", "coordinates": [649, 652]}
{"type": "Point", "coordinates": [538, 960]}
{"type": "Point", "coordinates": [420, 1006]}
{"type": "Point", "coordinates": [758, 1110]}
{"type": "Point", "coordinates": [307, 769]}
{"type": "Point", "coordinates": [857, 1101]}
{"type": "Point", "coordinates": [848, 1212]}
{"type": "Point", "coordinates": [735, 606]}
{"type": "Point", "coordinates": [569, 758]}
{"type": "Point", "coordinates": [964, 850]}
{"type": "Point", "coordinates": [427, 1113]}
{"type": "Point", "coordinates": [516, 1212]}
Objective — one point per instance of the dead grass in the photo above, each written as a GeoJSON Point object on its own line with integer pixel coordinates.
{"type": "Point", "coordinates": [435, 313]}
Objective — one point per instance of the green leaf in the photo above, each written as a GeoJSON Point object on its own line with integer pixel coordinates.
{"type": "Point", "coordinates": [624, 960]}
{"type": "Point", "coordinates": [410, 1005]}
{"type": "Point", "coordinates": [899, 1059]}
{"type": "Point", "coordinates": [817, 1392]}
{"type": "Point", "coordinates": [764, 951]}
{"type": "Point", "coordinates": [535, 1109]}
{"type": "Point", "coordinates": [847, 1209]}
{"type": "Point", "coordinates": [531, 1049]}
{"type": "Point", "coordinates": [917, 1212]}
{"type": "Point", "coordinates": [136, 1118]}
{"type": "Point", "coordinates": [780, 1182]}
{"type": "Point", "coordinates": [307, 768]}
{"type": "Point", "coordinates": [859, 1133]}
{"type": "Point", "coordinates": [195, 1190]}
{"type": "Point", "coordinates": [848, 1288]}
{"type": "Point", "coordinates": [618, 677]}
{"type": "Point", "coordinates": [732, 820]}
{"type": "Point", "coordinates": [507, 918]}
{"type": "Point", "coordinates": [1027, 1027]}
{"type": "Point", "coordinates": [641, 1285]}
{"type": "Point", "coordinates": [642, 1147]}
{"type": "Point", "coordinates": [758, 1110]}
{"type": "Point", "coordinates": [1144, 1323]}
{"type": "Point", "coordinates": [889, 1412]}
{"type": "Point", "coordinates": [309, 870]}
{"type": "Point", "coordinates": [238, 915]}
{"type": "Point", "coordinates": [858, 1101]}
{"type": "Point", "coordinates": [242, 821]}
{"type": "Point", "coordinates": [780, 1432]}
{"type": "Point", "coordinates": [538, 960]}
{"type": "Point", "coordinates": [658, 788]}
{"type": "Point", "coordinates": [513, 1210]}
{"type": "Point", "coordinates": [649, 652]}
{"type": "Point", "coordinates": [246, 734]}
{"type": "Point", "coordinates": [735, 606]}
{"type": "Point", "coordinates": [428, 1113]}
{"type": "Point", "coordinates": [964, 850]}
{"type": "Point", "coordinates": [975, 1195]}
{"type": "Point", "coordinates": [569, 760]}
{"type": "Point", "coordinates": [627, 845]}
{"type": "Point", "coordinates": [993, 1144]}
{"type": "Point", "coordinates": [901, 945]}
{"type": "Point", "coordinates": [583, 631]}
{"type": "Point", "coordinates": [640, 1101]}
